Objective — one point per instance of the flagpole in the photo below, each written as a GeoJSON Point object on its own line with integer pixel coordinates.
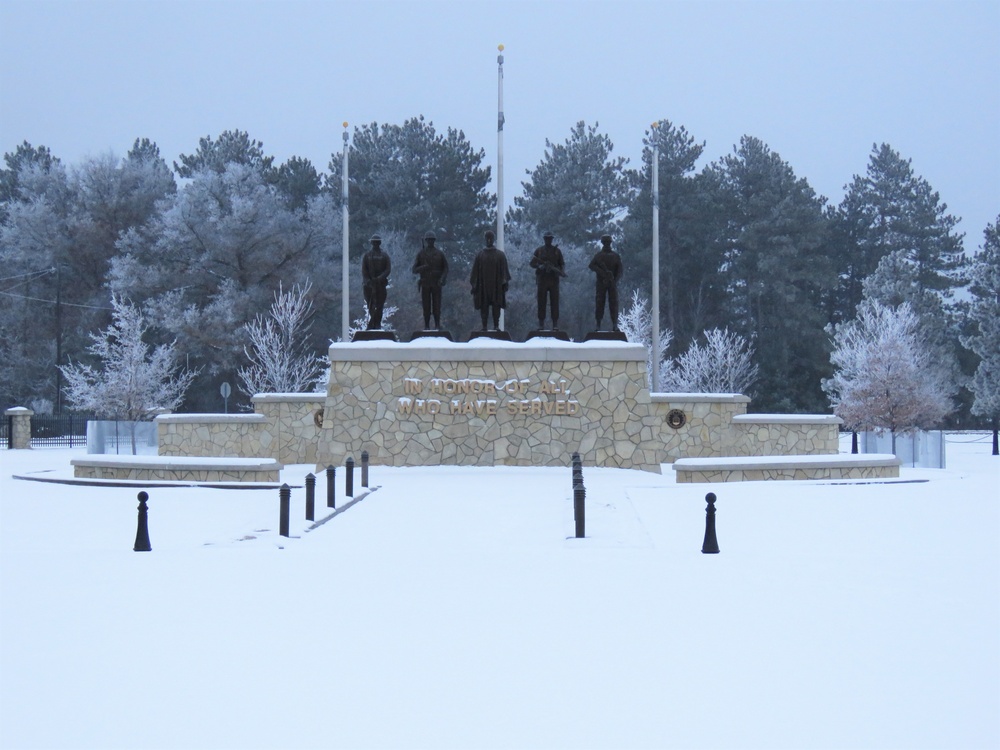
{"type": "Point", "coordinates": [655, 303]}
{"type": "Point", "coordinates": [345, 315]}
{"type": "Point", "coordinates": [500, 120]}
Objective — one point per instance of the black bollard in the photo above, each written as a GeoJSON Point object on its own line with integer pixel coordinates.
{"type": "Point", "coordinates": [349, 477]}
{"type": "Point", "coordinates": [331, 487]}
{"type": "Point", "coordinates": [142, 528]}
{"type": "Point", "coordinates": [285, 497]}
{"type": "Point", "coordinates": [579, 512]}
{"type": "Point", "coordinates": [364, 468]}
{"type": "Point", "coordinates": [854, 442]}
{"type": "Point", "coordinates": [711, 545]}
{"type": "Point", "coordinates": [310, 497]}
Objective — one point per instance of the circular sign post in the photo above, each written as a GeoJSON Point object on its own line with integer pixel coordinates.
{"type": "Point", "coordinates": [226, 390]}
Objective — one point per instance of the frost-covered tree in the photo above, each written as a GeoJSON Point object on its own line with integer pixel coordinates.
{"type": "Point", "coordinates": [57, 238]}
{"type": "Point", "coordinates": [579, 191]}
{"type": "Point", "coordinates": [884, 377]}
{"type": "Point", "coordinates": [723, 364]}
{"type": "Point", "coordinates": [231, 147]}
{"type": "Point", "coordinates": [636, 322]}
{"type": "Point", "coordinates": [133, 379]}
{"type": "Point", "coordinates": [281, 358]}
{"type": "Point", "coordinates": [216, 254]}
{"type": "Point", "coordinates": [984, 314]}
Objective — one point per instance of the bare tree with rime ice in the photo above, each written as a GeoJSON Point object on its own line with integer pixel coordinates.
{"type": "Point", "coordinates": [884, 376]}
{"type": "Point", "coordinates": [724, 364]}
{"type": "Point", "coordinates": [134, 380]}
{"type": "Point", "coordinates": [636, 322]}
{"type": "Point", "coordinates": [281, 360]}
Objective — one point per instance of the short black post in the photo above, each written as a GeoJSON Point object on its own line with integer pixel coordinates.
{"type": "Point", "coordinates": [577, 469]}
{"type": "Point", "coordinates": [854, 441]}
{"type": "Point", "coordinates": [364, 468]}
{"type": "Point", "coordinates": [331, 487]}
{"type": "Point", "coordinates": [579, 509]}
{"type": "Point", "coordinates": [996, 441]}
{"type": "Point", "coordinates": [142, 529]}
{"type": "Point", "coordinates": [310, 497]}
{"type": "Point", "coordinates": [285, 496]}
{"type": "Point", "coordinates": [711, 545]}
{"type": "Point", "coordinates": [349, 479]}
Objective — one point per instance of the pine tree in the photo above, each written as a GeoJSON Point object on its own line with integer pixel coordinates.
{"type": "Point", "coordinates": [984, 314]}
{"type": "Point", "coordinates": [579, 191]}
{"type": "Point", "coordinates": [775, 274]}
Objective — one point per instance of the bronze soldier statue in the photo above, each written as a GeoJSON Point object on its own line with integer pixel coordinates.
{"type": "Point", "coordinates": [432, 267]}
{"type": "Point", "coordinates": [375, 269]}
{"type": "Point", "coordinates": [607, 264]}
{"type": "Point", "coordinates": [549, 268]}
{"type": "Point", "coordinates": [490, 279]}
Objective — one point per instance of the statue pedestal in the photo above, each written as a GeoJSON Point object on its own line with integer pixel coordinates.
{"type": "Point", "coordinates": [375, 334]}
{"type": "Point", "coordinates": [495, 335]}
{"type": "Point", "coordinates": [605, 336]}
{"type": "Point", "coordinates": [431, 334]}
{"type": "Point", "coordinates": [548, 333]}
{"type": "Point", "coordinates": [490, 403]}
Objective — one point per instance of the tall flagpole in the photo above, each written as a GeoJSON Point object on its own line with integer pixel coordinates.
{"type": "Point", "coordinates": [656, 260]}
{"type": "Point", "coordinates": [500, 119]}
{"type": "Point", "coordinates": [345, 315]}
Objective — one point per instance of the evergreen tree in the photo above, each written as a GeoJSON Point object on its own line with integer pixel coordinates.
{"type": "Point", "coordinates": [890, 209]}
{"type": "Point", "coordinates": [984, 314]}
{"type": "Point", "coordinates": [231, 147]}
{"type": "Point", "coordinates": [775, 274]}
{"type": "Point", "coordinates": [691, 295]}
{"type": "Point", "coordinates": [578, 192]}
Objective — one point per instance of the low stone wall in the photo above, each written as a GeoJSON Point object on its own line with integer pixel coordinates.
{"type": "Point", "coordinates": [294, 420]}
{"type": "Point", "coordinates": [763, 468]}
{"type": "Point", "coordinates": [696, 424]}
{"type": "Point", "coordinates": [189, 469]}
{"type": "Point", "coordinates": [247, 435]}
{"type": "Point", "coordinates": [785, 435]}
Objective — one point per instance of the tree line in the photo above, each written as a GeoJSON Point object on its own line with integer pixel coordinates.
{"type": "Point", "coordinates": [746, 247]}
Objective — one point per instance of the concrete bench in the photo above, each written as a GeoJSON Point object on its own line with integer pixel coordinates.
{"type": "Point", "coordinates": [757, 468]}
{"type": "Point", "coordinates": [181, 468]}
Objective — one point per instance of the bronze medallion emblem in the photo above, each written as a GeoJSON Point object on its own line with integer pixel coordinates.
{"type": "Point", "coordinates": [676, 418]}
{"type": "Point", "coordinates": [318, 418]}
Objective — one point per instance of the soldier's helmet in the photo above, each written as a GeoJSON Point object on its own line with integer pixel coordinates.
{"type": "Point", "coordinates": [375, 238]}
{"type": "Point", "coordinates": [605, 238]}
{"type": "Point", "coordinates": [430, 236]}
{"type": "Point", "coordinates": [548, 236]}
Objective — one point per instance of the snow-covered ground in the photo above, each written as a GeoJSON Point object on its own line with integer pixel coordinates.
{"type": "Point", "coordinates": [451, 609]}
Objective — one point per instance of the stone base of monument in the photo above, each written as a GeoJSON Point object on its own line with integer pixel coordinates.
{"type": "Point", "coordinates": [431, 334]}
{"type": "Point", "coordinates": [375, 334]}
{"type": "Point", "coordinates": [496, 335]}
{"type": "Point", "coordinates": [605, 336]}
{"type": "Point", "coordinates": [547, 333]}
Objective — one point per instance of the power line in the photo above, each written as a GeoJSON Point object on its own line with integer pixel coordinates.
{"type": "Point", "coordinates": [53, 302]}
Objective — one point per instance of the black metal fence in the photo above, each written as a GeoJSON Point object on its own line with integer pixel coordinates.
{"type": "Point", "coordinates": [67, 430]}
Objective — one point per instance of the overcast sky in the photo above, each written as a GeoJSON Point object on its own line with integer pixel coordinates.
{"type": "Point", "coordinates": [818, 82]}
